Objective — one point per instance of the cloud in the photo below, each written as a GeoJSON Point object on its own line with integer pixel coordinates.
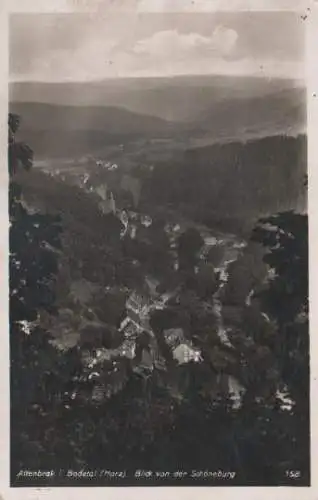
{"type": "Point", "coordinates": [92, 49]}
{"type": "Point", "coordinates": [224, 39]}
{"type": "Point", "coordinates": [172, 44]}
{"type": "Point", "coordinates": [165, 52]}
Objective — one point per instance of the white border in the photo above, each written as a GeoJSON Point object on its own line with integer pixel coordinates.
{"type": "Point", "coordinates": [187, 493]}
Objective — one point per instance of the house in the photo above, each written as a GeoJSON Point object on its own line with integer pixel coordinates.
{"type": "Point", "coordinates": [138, 304]}
{"type": "Point", "coordinates": [183, 353]}
{"type": "Point", "coordinates": [236, 392]}
{"type": "Point", "coordinates": [130, 328]}
{"type": "Point", "coordinates": [174, 336]}
{"type": "Point", "coordinates": [145, 220]}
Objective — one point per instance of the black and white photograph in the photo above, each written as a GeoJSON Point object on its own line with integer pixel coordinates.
{"type": "Point", "coordinates": [158, 260]}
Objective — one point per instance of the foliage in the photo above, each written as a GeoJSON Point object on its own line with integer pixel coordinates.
{"type": "Point", "coordinates": [189, 244]}
{"type": "Point", "coordinates": [245, 273]}
{"type": "Point", "coordinates": [19, 154]}
{"type": "Point", "coordinates": [230, 185]}
{"type": "Point", "coordinates": [286, 297]}
{"type": "Point", "coordinates": [34, 246]}
{"type": "Point", "coordinates": [178, 416]}
{"type": "Point", "coordinates": [286, 238]}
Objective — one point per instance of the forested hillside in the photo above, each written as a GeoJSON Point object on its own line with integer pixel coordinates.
{"type": "Point", "coordinates": [234, 182]}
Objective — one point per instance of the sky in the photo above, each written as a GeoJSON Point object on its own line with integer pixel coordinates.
{"type": "Point", "coordinates": [86, 47]}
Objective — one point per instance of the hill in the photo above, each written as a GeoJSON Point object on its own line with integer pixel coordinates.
{"type": "Point", "coordinates": [67, 131]}
{"type": "Point", "coordinates": [283, 112]}
{"type": "Point", "coordinates": [42, 116]}
{"type": "Point", "coordinates": [54, 130]}
{"type": "Point", "coordinates": [174, 99]}
{"type": "Point", "coordinates": [232, 184]}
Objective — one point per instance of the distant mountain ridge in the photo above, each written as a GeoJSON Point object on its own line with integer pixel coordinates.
{"type": "Point", "coordinates": [68, 131]}
{"type": "Point", "coordinates": [43, 116]}
{"type": "Point", "coordinates": [67, 119]}
{"type": "Point", "coordinates": [281, 113]}
{"type": "Point", "coordinates": [172, 99]}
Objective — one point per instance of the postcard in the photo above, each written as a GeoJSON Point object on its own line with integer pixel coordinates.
{"type": "Point", "coordinates": [159, 328]}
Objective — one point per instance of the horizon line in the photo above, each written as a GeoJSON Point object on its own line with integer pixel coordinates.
{"type": "Point", "coordinates": [159, 77]}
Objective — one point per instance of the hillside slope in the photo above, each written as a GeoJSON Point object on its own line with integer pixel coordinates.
{"type": "Point", "coordinates": [235, 181]}
{"type": "Point", "coordinates": [67, 131]}
{"type": "Point", "coordinates": [175, 99]}
{"type": "Point", "coordinates": [42, 116]}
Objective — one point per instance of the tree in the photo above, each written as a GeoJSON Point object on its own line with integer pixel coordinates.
{"type": "Point", "coordinates": [206, 283]}
{"type": "Point", "coordinates": [19, 154]}
{"type": "Point", "coordinates": [285, 300]}
{"type": "Point", "coordinates": [38, 372]}
{"type": "Point", "coordinates": [189, 244]}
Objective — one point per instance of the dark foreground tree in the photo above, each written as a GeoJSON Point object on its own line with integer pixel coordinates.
{"type": "Point", "coordinates": [285, 300]}
{"type": "Point", "coordinates": [38, 372]}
